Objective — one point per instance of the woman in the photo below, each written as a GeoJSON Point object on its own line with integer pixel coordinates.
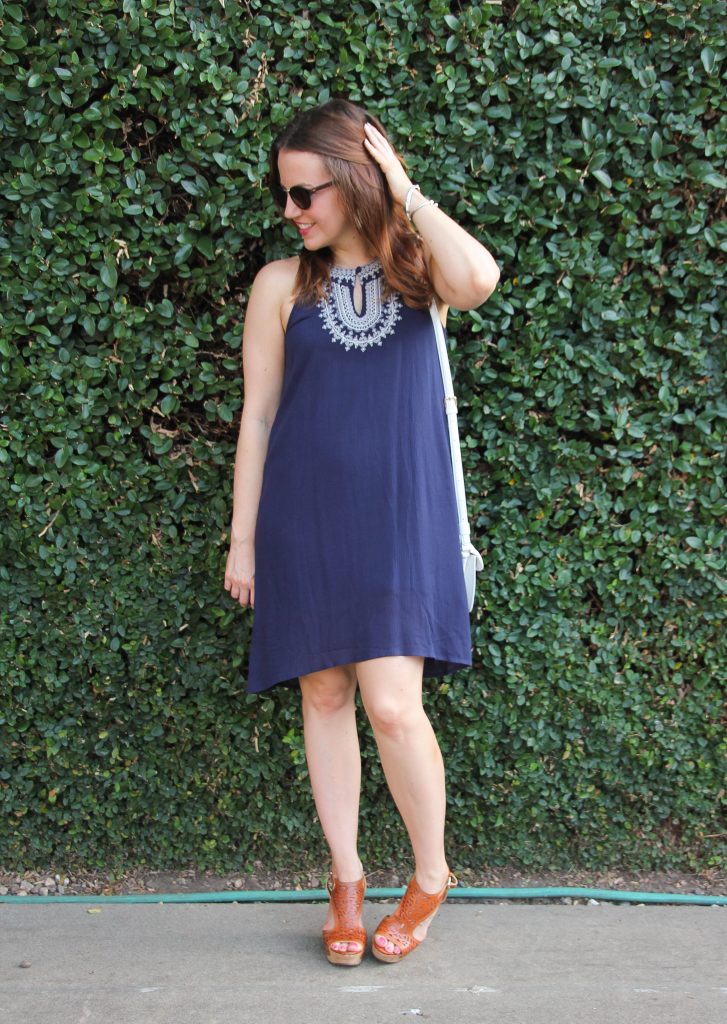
{"type": "Point", "coordinates": [344, 530]}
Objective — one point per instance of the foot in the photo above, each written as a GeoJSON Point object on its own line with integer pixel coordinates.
{"type": "Point", "coordinates": [407, 922]}
{"type": "Point", "coordinates": [344, 916]}
{"type": "Point", "coordinates": [342, 947]}
{"type": "Point", "coordinates": [419, 933]}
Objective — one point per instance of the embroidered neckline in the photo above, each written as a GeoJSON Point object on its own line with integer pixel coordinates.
{"type": "Point", "coordinates": [378, 317]}
{"type": "Point", "coordinates": [365, 271]}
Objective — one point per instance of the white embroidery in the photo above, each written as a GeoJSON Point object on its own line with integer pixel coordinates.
{"type": "Point", "coordinates": [378, 318]}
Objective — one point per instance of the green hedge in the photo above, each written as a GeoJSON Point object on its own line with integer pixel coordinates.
{"type": "Point", "coordinates": [582, 143]}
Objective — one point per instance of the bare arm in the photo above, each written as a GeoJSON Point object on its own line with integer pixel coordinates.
{"type": "Point", "coordinates": [463, 272]}
{"type": "Point", "coordinates": [262, 367]}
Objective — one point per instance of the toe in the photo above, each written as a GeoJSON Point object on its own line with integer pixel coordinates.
{"type": "Point", "coordinates": [346, 947]}
{"type": "Point", "coordinates": [385, 945]}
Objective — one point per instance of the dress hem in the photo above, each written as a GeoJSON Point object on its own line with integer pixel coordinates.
{"type": "Point", "coordinates": [439, 664]}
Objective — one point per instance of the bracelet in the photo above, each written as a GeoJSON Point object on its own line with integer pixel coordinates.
{"type": "Point", "coordinates": [407, 202]}
{"type": "Point", "coordinates": [429, 202]}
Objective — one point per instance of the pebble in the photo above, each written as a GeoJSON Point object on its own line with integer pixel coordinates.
{"type": "Point", "coordinates": [36, 884]}
{"type": "Point", "coordinates": [25, 963]}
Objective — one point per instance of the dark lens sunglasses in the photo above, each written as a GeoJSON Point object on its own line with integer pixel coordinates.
{"type": "Point", "coordinates": [301, 196]}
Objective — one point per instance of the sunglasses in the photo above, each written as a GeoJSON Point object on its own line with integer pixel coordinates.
{"type": "Point", "coordinates": [301, 196]}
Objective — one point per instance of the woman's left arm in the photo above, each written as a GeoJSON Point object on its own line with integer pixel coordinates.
{"type": "Point", "coordinates": [463, 272]}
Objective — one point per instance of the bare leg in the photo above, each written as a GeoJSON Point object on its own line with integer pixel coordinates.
{"type": "Point", "coordinates": [391, 689]}
{"type": "Point", "coordinates": [334, 765]}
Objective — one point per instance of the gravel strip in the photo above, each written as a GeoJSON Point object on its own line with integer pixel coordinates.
{"type": "Point", "coordinates": [66, 882]}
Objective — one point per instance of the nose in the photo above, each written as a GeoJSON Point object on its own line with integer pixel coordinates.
{"type": "Point", "coordinates": [291, 210]}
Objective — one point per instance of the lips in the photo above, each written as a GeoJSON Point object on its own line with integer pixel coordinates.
{"type": "Point", "coordinates": [304, 228]}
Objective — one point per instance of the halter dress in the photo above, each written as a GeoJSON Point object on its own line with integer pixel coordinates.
{"type": "Point", "coordinates": [356, 540]}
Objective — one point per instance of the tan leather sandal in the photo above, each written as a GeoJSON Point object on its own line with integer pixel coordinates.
{"type": "Point", "coordinates": [416, 908]}
{"type": "Point", "coordinates": [346, 899]}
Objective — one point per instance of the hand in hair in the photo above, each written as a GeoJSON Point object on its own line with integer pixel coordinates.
{"type": "Point", "coordinates": [379, 149]}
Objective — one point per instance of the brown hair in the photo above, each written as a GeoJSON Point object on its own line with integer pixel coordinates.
{"type": "Point", "coordinates": [335, 132]}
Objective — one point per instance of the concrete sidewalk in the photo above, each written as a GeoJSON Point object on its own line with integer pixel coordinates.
{"type": "Point", "coordinates": [261, 963]}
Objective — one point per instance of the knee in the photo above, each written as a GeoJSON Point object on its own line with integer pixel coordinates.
{"type": "Point", "coordinates": [328, 692]}
{"type": "Point", "coordinates": [392, 718]}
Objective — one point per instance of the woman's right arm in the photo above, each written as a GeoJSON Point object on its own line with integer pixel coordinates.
{"type": "Point", "coordinates": [262, 368]}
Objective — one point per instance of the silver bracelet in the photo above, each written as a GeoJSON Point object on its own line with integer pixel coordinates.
{"type": "Point", "coordinates": [429, 202]}
{"type": "Point", "coordinates": [407, 202]}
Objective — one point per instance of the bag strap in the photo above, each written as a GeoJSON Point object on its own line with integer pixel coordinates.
{"type": "Point", "coordinates": [450, 408]}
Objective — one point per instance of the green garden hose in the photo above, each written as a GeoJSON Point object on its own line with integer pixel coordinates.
{"type": "Point", "coordinates": [315, 895]}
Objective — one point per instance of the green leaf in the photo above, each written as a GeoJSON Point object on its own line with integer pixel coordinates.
{"type": "Point", "coordinates": [62, 456]}
{"type": "Point", "coordinates": [206, 246]}
{"type": "Point", "coordinates": [708, 59]}
{"type": "Point", "coordinates": [109, 274]}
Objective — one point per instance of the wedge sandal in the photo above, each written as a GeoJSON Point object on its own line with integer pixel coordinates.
{"type": "Point", "coordinates": [416, 908]}
{"type": "Point", "coordinates": [346, 899]}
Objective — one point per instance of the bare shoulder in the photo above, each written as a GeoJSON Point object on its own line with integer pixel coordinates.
{"type": "Point", "coordinates": [278, 274]}
{"type": "Point", "coordinates": [274, 285]}
{"type": "Point", "coordinates": [277, 278]}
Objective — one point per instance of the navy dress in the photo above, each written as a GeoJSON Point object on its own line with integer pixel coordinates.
{"type": "Point", "coordinates": [356, 542]}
